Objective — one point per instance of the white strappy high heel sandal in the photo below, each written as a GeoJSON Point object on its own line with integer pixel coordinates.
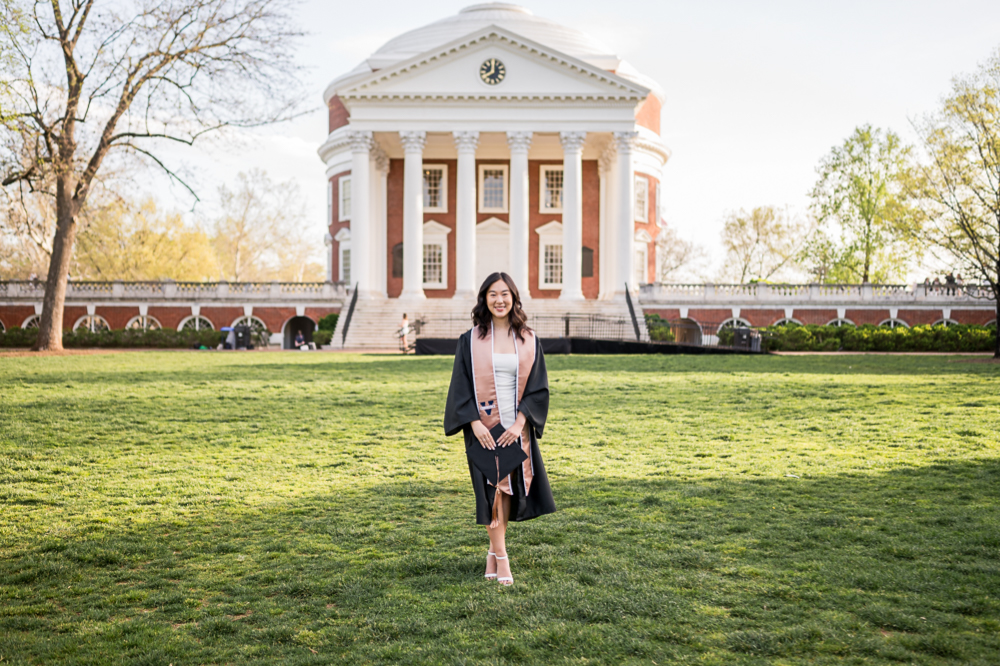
{"type": "Point", "coordinates": [490, 576]}
{"type": "Point", "coordinates": [503, 580]}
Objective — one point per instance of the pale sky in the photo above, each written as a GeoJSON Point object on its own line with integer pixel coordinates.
{"type": "Point", "coordinates": [757, 92]}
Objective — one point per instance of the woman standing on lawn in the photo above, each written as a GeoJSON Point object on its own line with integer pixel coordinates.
{"type": "Point", "coordinates": [499, 379]}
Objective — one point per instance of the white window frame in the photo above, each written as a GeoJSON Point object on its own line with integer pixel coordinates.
{"type": "Point", "coordinates": [343, 239]}
{"type": "Point", "coordinates": [660, 222]}
{"type": "Point", "coordinates": [87, 321]}
{"type": "Point", "coordinates": [549, 234]}
{"type": "Point", "coordinates": [644, 209]}
{"type": "Point", "coordinates": [641, 244]}
{"type": "Point", "coordinates": [436, 233]}
{"type": "Point", "coordinates": [506, 187]}
{"type": "Point", "coordinates": [329, 202]}
{"type": "Point", "coordinates": [144, 322]}
{"type": "Point", "coordinates": [543, 171]}
{"type": "Point", "coordinates": [443, 208]}
{"type": "Point", "coordinates": [198, 318]}
{"type": "Point", "coordinates": [341, 217]}
{"type": "Point", "coordinates": [34, 321]}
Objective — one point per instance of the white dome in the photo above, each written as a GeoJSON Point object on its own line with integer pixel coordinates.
{"type": "Point", "coordinates": [517, 19]}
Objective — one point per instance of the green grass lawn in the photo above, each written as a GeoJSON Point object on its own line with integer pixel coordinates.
{"type": "Point", "coordinates": [233, 508]}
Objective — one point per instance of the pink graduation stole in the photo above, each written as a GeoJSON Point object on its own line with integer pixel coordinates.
{"type": "Point", "coordinates": [485, 387]}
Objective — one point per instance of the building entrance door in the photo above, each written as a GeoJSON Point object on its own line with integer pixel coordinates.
{"type": "Point", "coordinates": [492, 248]}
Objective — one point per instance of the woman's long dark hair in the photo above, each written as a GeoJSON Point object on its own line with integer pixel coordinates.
{"type": "Point", "coordinates": [482, 317]}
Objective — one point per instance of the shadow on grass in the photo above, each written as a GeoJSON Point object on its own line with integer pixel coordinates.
{"type": "Point", "coordinates": [900, 566]}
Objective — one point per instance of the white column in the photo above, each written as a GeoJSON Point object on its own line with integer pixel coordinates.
{"type": "Point", "coordinates": [606, 266]}
{"type": "Point", "coordinates": [465, 216]}
{"type": "Point", "coordinates": [413, 214]}
{"type": "Point", "coordinates": [519, 143]}
{"type": "Point", "coordinates": [624, 218]}
{"type": "Point", "coordinates": [328, 242]}
{"type": "Point", "coordinates": [361, 145]}
{"type": "Point", "coordinates": [380, 235]}
{"type": "Point", "coordinates": [572, 143]}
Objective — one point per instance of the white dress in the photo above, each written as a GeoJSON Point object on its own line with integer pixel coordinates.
{"type": "Point", "coordinates": [505, 374]}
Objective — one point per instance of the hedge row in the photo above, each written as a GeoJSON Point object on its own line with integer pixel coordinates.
{"type": "Point", "coordinates": [954, 338]}
{"type": "Point", "coordinates": [82, 338]}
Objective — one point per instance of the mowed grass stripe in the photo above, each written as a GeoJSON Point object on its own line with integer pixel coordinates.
{"type": "Point", "coordinates": [194, 508]}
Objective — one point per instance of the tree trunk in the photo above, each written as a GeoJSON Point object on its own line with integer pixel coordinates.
{"type": "Point", "coordinates": [50, 328]}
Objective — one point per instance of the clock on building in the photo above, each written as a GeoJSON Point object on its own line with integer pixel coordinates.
{"type": "Point", "coordinates": [492, 71]}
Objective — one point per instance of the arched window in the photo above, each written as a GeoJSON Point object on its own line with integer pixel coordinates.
{"type": "Point", "coordinates": [945, 322]}
{"type": "Point", "coordinates": [93, 323]}
{"type": "Point", "coordinates": [786, 321]}
{"type": "Point", "coordinates": [32, 322]}
{"type": "Point", "coordinates": [196, 323]}
{"type": "Point", "coordinates": [991, 324]}
{"type": "Point", "coordinates": [143, 323]}
{"type": "Point", "coordinates": [3, 329]}
{"type": "Point", "coordinates": [840, 322]}
{"type": "Point", "coordinates": [256, 325]}
{"type": "Point", "coordinates": [894, 323]}
{"type": "Point", "coordinates": [735, 322]}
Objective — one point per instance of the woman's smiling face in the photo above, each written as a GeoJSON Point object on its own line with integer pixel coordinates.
{"type": "Point", "coordinates": [499, 299]}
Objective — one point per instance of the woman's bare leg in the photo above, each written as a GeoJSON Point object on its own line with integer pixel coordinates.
{"type": "Point", "coordinates": [498, 538]}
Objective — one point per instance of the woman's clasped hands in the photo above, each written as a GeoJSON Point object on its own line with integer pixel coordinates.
{"type": "Point", "coordinates": [509, 436]}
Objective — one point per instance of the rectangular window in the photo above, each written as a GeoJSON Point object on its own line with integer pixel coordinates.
{"type": "Point", "coordinates": [641, 269]}
{"type": "Point", "coordinates": [329, 202]}
{"type": "Point", "coordinates": [551, 179]}
{"type": "Point", "coordinates": [641, 199]}
{"type": "Point", "coordinates": [552, 265]}
{"type": "Point", "coordinates": [345, 264]}
{"type": "Point", "coordinates": [493, 188]}
{"type": "Point", "coordinates": [345, 198]}
{"type": "Point", "coordinates": [435, 188]}
{"type": "Point", "coordinates": [433, 264]}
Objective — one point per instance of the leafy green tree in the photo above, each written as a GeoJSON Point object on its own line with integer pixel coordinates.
{"type": "Point", "coordinates": [866, 227]}
{"type": "Point", "coordinates": [958, 185]}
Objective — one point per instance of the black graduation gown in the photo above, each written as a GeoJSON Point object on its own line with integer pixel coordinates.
{"type": "Point", "coordinates": [461, 411]}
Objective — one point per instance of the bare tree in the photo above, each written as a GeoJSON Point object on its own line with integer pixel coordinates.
{"type": "Point", "coordinates": [676, 255]}
{"type": "Point", "coordinates": [959, 183]}
{"type": "Point", "coordinates": [762, 243]}
{"type": "Point", "coordinates": [89, 81]}
{"type": "Point", "coordinates": [262, 233]}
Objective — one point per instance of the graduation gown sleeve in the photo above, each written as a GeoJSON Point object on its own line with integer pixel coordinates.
{"type": "Point", "coordinates": [535, 401]}
{"type": "Point", "coordinates": [460, 409]}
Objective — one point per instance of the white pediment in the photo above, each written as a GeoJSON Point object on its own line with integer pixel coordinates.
{"type": "Point", "coordinates": [343, 235]}
{"type": "Point", "coordinates": [553, 228]}
{"type": "Point", "coordinates": [492, 225]}
{"type": "Point", "coordinates": [435, 228]}
{"type": "Point", "coordinates": [533, 71]}
{"type": "Point", "coordinates": [642, 236]}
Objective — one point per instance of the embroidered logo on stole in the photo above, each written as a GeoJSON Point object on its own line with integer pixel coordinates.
{"type": "Point", "coordinates": [487, 407]}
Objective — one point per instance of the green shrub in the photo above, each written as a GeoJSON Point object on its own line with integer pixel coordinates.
{"type": "Point", "coordinates": [328, 323]}
{"type": "Point", "coordinates": [940, 338]}
{"type": "Point", "coordinates": [84, 339]}
{"type": "Point", "coordinates": [659, 328]}
{"type": "Point", "coordinates": [322, 337]}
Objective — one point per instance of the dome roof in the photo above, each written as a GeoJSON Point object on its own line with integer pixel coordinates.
{"type": "Point", "coordinates": [517, 19]}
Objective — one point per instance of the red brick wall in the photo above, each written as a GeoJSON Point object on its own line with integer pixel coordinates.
{"type": "Point", "coordinates": [817, 317]}
{"type": "Point", "coordinates": [762, 317]}
{"type": "Point", "coordinates": [592, 224]}
{"type": "Point", "coordinates": [861, 317]}
{"type": "Point", "coordinates": [448, 220]}
{"type": "Point", "coordinates": [648, 113]}
{"type": "Point", "coordinates": [339, 115]}
{"type": "Point", "coordinates": [221, 316]}
{"type": "Point", "coordinates": [920, 317]}
{"type": "Point", "coordinates": [336, 226]}
{"type": "Point", "coordinates": [981, 317]}
{"type": "Point", "coordinates": [651, 227]}
{"type": "Point", "coordinates": [71, 314]}
{"type": "Point", "coordinates": [710, 315]}
{"type": "Point", "coordinates": [394, 223]}
{"type": "Point", "coordinates": [169, 316]}
{"type": "Point", "coordinates": [665, 313]}
{"type": "Point", "coordinates": [13, 316]}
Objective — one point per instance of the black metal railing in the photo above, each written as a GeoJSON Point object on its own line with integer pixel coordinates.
{"type": "Point", "coordinates": [350, 313]}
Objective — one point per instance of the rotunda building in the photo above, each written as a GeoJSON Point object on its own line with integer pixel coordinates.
{"type": "Point", "coordinates": [493, 140]}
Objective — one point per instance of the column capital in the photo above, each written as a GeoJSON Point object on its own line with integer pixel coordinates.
{"type": "Point", "coordinates": [413, 142]}
{"type": "Point", "coordinates": [519, 142]}
{"type": "Point", "coordinates": [572, 142]}
{"type": "Point", "coordinates": [625, 141]}
{"type": "Point", "coordinates": [361, 141]}
{"type": "Point", "coordinates": [607, 159]}
{"type": "Point", "coordinates": [381, 159]}
{"type": "Point", "coordinates": [466, 142]}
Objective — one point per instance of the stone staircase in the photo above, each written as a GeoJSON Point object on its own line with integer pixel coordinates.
{"type": "Point", "coordinates": [375, 322]}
